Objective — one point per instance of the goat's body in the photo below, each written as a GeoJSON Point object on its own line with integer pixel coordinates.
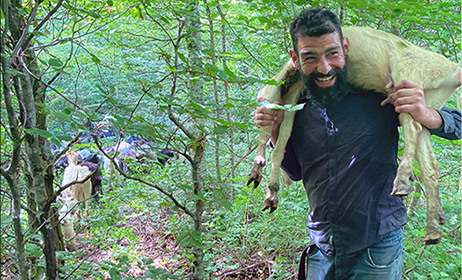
{"type": "Point", "coordinates": [110, 169]}
{"type": "Point", "coordinates": [96, 179]}
{"type": "Point", "coordinates": [374, 58]}
{"type": "Point", "coordinates": [75, 173]}
{"type": "Point", "coordinates": [76, 192]}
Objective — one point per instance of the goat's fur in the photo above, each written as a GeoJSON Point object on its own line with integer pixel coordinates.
{"type": "Point", "coordinates": [374, 58]}
{"type": "Point", "coordinates": [76, 173]}
{"type": "Point", "coordinates": [109, 168]}
{"type": "Point", "coordinates": [67, 220]}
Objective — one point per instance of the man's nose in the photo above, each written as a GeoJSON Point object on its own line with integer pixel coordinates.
{"type": "Point", "coordinates": [323, 66]}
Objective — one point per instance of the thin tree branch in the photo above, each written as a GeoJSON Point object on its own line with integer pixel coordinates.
{"type": "Point", "coordinates": [231, 28]}
{"type": "Point", "coordinates": [44, 20]}
{"type": "Point", "coordinates": [160, 189]}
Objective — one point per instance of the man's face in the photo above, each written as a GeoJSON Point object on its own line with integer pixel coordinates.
{"type": "Point", "coordinates": [322, 64]}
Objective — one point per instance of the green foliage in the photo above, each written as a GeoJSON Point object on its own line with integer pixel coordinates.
{"type": "Point", "coordinates": [124, 66]}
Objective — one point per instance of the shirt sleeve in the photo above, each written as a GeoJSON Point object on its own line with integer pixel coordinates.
{"type": "Point", "coordinates": [290, 164]}
{"type": "Point", "coordinates": [451, 124]}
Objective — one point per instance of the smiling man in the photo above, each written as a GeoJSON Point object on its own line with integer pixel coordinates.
{"type": "Point", "coordinates": [344, 147]}
{"type": "Point", "coordinates": [322, 61]}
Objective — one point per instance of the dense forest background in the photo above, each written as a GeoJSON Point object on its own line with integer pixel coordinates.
{"type": "Point", "coordinates": [182, 76]}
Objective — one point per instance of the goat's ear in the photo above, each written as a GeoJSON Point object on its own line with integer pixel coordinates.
{"type": "Point", "coordinates": [346, 44]}
{"type": "Point", "coordinates": [294, 58]}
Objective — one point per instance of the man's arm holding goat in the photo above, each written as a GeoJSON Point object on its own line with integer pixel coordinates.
{"type": "Point", "coordinates": [408, 98]}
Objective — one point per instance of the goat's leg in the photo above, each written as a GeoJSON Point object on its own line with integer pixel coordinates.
{"type": "Point", "coordinates": [111, 176]}
{"type": "Point", "coordinates": [87, 195]}
{"type": "Point", "coordinates": [430, 172]}
{"type": "Point", "coordinates": [260, 160]}
{"type": "Point", "coordinates": [411, 128]}
{"type": "Point", "coordinates": [68, 232]}
{"type": "Point", "coordinates": [271, 199]}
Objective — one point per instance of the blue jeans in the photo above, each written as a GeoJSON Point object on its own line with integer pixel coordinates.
{"type": "Point", "coordinates": [383, 261]}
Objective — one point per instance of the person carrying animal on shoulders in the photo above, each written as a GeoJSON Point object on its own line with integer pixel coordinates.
{"type": "Point", "coordinates": [344, 146]}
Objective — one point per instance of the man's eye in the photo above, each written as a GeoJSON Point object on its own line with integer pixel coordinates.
{"type": "Point", "coordinates": [310, 58]}
{"type": "Point", "coordinates": [333, 53]}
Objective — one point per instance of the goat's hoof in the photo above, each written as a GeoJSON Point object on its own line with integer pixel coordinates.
{"type": "Point", "coordinates": [271, 205]}
{"type": "Point", "coordinates": [441, 218]}
{"type": "Point", "coordinates": [271, 199]}
{"type": "Point", "coordinates": [254, 177]}
{"type": "Point", "coordinates": [434, 235]}
{"type": "Point", "coordinates": [401, 187]}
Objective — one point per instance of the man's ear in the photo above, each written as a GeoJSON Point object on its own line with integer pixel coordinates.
{"type": "Point", "coordinates": [346, 44]}
{"type": "Point", "coordinates": [294, 58]}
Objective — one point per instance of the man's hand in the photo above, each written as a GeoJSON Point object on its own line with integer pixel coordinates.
{"type": "Point", "coordinates": [269, 117]}
{"type": "Point", "coordinates": [409, 97]}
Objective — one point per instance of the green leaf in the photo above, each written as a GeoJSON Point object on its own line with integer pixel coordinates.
{"type": "Point", "coordinates": [217, 195]}
{"type": "Point", "coordinates": [220, 130]}
{"type": "Point", "coordinates": [55, 141]}
{"type": "Point", "coordinates": [154, 273]}
{"type": "Point", "coordinates": [198, 110]}
{"type": "Point", "coordinates": [124, 259]}
{"type": "Point", "coordinates": [166, 204]}
{"type": "Point", "coordinates": [61, 115]}
{"type": "Point", "coordinates": [6, 220]}
{"type": "Point", "coordinates": [170, 68]}
{"type": "Point", "coordinates": [54, 62]}
{"type": "Point", "coordinates": [142, 129]}
{"type": "Point", "coordinates": [435, 275]}
{"type": "Point", "coordinates": [14, 72]}
{"type": "Point", "coordinates": [95, 59]}
{"type": "Point", "coordinates": [226, 203]}
{"type": "Point", "coordinates": [40, 132]}
{"type": "Point", "coordinates": [196, 239]}
{"type": "Point", "coordinates": [64, 137]}
{"type": "Point", "coordinates": [199, 196]}
{"type": "Point", "coordinates": [147, 261]}
{"type": "Point", "coordinates": [140, 119]}
{"type": "Point", "coordinates": [229, 73]}
{"type": "Point", "coordinates": [114, 274]}
{"type": "Point", "coordinates": [33, 249]}
{"type": "Point", "coordinates": [272, 82]}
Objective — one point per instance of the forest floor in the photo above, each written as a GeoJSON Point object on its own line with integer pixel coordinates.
{"type": "Point", "coordinates": [154, 242]}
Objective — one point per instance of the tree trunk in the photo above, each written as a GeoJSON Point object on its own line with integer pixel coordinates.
{"type": "Point", "coordinates": [38, 168]}
{"type": "Point", "coordinates": [196, 93]}
{"type": "Point", "coordinates": [30, 92]}
{"type": "Point", "coordinates": [10, 173]}
{"type": "Point", "coordinates": [10, 177]}
{"type": "Point", "coordinates": [215, 94]}
{"type": "Point", "coordinates": [228, 115]}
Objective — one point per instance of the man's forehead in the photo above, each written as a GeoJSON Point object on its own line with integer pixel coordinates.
{"type": "Point", "coordinates": [323, 42]}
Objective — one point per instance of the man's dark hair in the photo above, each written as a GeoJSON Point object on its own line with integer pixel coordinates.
{"type": "Point", "coordinates": [314, 22]}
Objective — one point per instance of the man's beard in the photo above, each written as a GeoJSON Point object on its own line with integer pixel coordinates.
{"type": "Point", "coordinates": [321, 97]}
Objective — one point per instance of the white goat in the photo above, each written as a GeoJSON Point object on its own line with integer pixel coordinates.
{"type": "Point", "coordinates": [76, 173]}
{"type": "Point", "coordinates": [109, 167]}
{"type": "Point", "coordinates": [67, 220]}
{"type": "Point", "coordinates": [373, 58]}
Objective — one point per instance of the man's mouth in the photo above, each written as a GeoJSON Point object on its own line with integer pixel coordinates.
{"type": "Point", "coordinates": [325, 79]}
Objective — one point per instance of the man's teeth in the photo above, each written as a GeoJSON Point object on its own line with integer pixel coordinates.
{"type": "Point", "coordinates": [326, 79]}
